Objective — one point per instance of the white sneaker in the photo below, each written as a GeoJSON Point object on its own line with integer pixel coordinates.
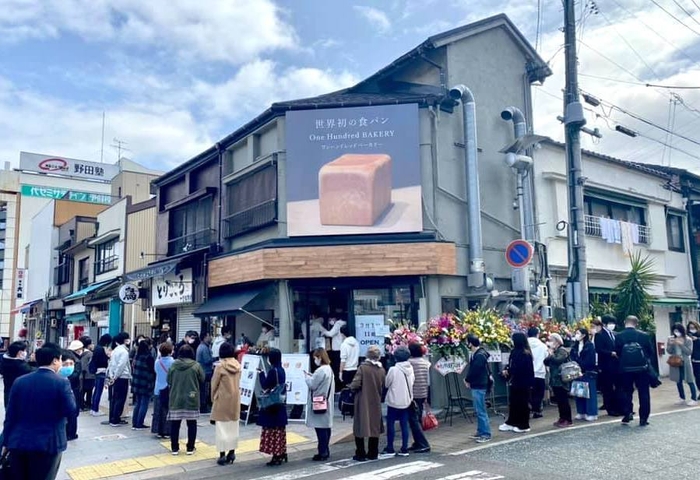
{"type": "Point", "coordinates": [97, 414]}
{"type": "Point", "coordinates": [506, 428]}
{"type": "Point", "coordinates": [579, 416]}
{"type": "Point", "coordinates": [521, 430]}
{"type": "Point", "coordinates": [679, 402]}
{"type": "Point", "coordinates": [691, 403]}
{"type": "Point", "coordinates": [591, 418]}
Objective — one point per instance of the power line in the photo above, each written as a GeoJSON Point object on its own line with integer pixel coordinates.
{"type": "Point", "coordinates": [675, 18]}
{"type": "Point", "coordinates": [622, 37]}
{"type": "Point", "coordinates": [696, 4]}
{"type": "Point", "coordinates": [612, 79]}
{"type": "Point", "coordinates": [673, 87]}
{"type": "Point", "coordinates": [686, 11]}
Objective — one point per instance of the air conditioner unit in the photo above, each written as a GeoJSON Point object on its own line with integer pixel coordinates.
{"type": "Point", "coordinates": [546, 312]}
{"type": "Point", "coordinates": [543, 293]}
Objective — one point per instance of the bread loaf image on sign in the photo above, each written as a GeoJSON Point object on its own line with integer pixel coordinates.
{"type": "Point", "coordinates": [355, 189]}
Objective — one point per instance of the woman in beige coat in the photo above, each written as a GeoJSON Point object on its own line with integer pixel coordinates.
{"type": "Point", "coordinates": [226, 411]}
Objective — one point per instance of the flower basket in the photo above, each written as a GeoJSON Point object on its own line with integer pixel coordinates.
{"type": "Point", "coordinates": [486, 324]}
{"type": "Point", "coordinates": [403, 335]}
{"type": "Point", "coordinates": [446, 336]}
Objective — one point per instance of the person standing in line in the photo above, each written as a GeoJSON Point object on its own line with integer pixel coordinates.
{"type": "Point", "coordinates": [336, 341]}
{"type": "Point", "coordinates": [634, 348]}
{"type": "Point", "coordinates": [583, 353]}
{"type": "Point", "coordinates": [68, 370]}
{"type": "Point", "coordinates": [368, 383]}
{"type": "Point", "coordinates": [321, 384]}
{"type": "Point", "coordinates": [226, 397]}
{"type": "Point", "coordinates": [118, 376]}
{"type": "Point", "coordinates": [34, 434]}
{"type": "Point", "coordinates": [558, 355]}
{"type": "Point", "coordinates": [349, 356]}
{"type": "Point", "coordinates": [539, 353]}
{"type": "Point", "coordinates": [190, 339]}
{"type": "Point", "coordinates": [143, 379]}
{"type": "Point", "coordinates": [399, 400]}
{"type": "Point", "coordinates": [77, 348]}
{"type": "Point", "coordinates": [679, 345]}
{"type": "Point", "coordinates": [225, 337]}
{"type": "Point", "coordinates": [160, 425]}
{"type": "Point", "coordinates": [14, 365]}
{"type": "Point", "coordinates": [694, 335]}
{"type": "Point", "coordinates": [421, 390]}
{"type": "Point", "coordinates": [98, 366]}
{"type": "Point", "coordinates": [185, 379]}
{"type": "Point", "coordinates": [608, 363]}
{"type": "Point", "coordinates": [521, 375]}
{"type": "Point", "coordinates": [478, 379]}
{"type": "Point", "coordinates": [206, 360]}
{"type": "Point", "coordinates": [88, 378]}
{"type": "Point", "coordinates": [273, 420]}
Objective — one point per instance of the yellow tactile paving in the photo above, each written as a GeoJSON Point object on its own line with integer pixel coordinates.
{"type": "Point", "coordinates": [139, 464]}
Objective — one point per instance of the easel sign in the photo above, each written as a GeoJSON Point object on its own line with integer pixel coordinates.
{"type": "Point", "coordinates": [297, 391]}
{"type": "Point", "coordinates": [448, 365]}
{"type": "Point", "coordinates": [249, 381]}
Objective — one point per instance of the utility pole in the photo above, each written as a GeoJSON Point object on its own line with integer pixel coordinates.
{"type": "Point", "coordinates": [577, 281]}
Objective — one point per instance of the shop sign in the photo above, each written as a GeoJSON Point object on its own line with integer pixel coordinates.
{"type": "Point", "coordinates": [75, 308]}
{"type": "Point", "coordinates": [56, 193]}
{"type": "Point", "coordinates": [249, 377]}
{"type": "Point", "coordinates": [129, 293]}
{"type": "Point", "coordinates": [366, 327]}
{"type": "Point", "coordinates": [495, 356]}
{"type": "Point", "coordinates": [172, 289]}
{"type": "Point", "coordinates": [353, 171]}
{"type": "Point", "coordinates": [68, 167]}
{"type": "Point", "coordinates": [451, 365]}
{"type": "Point", "coordinates": [20, 283]}
{"type": "Point", "coordinates": [294, 367]}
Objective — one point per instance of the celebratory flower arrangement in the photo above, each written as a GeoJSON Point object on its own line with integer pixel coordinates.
{"type": "Point", "coordinates": [585, 323]}
{"type": "Point", "coordinates": [488, 326]}
{"type": "Point", "coordinates": [446, 336]}
{"type": "Point", "coordinates": [403, 335]}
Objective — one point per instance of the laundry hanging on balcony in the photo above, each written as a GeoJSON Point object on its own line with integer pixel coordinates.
{"type": "Point", "coordinates": [616, 231]}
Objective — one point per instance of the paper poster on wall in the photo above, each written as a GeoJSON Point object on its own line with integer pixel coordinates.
{"type": "Point", "coordinates": [294, 366]}
{"type": "Point", "coordinates": [249, 378]}
{"type": "Point", "coordinates": [366, 327]}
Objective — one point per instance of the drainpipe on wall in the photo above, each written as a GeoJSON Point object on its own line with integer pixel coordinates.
{"type": "Point", "coordinates": [476, 248]}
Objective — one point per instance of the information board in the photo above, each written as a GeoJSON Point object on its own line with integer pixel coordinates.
{"type": "Point", "coordinates": [366, 327]}
{"type": "Point", "coordinates": [294, 366]}
{"type": "Point", "coordinates": [249, 378]}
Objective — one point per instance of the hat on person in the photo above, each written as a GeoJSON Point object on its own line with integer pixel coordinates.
{"type": "Point", "coordinates": [75, 345]}
{"type": "Point", "coordinates": [402, 354]}
{"type": "Point", "coordinates": [165, 328]}
{"type": "Point", "coordinates": [557, 338]}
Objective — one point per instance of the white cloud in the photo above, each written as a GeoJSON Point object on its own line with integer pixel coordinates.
{"type": "Point", "coordinates": [229, 31]}
{"type": "Point", "coordinates": [377, 18]}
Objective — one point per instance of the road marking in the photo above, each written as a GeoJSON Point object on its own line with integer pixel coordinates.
{"type": "Point", "coordinates": [396, 471]}
{"type": "Point", "coordinates": [380, 474]}
{"type": "Point", "coordinates": [473, 475]}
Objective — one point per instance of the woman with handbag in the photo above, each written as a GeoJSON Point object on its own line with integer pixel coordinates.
{"type": "Point", "coordinates": [159, 425]}
{"type": "Point", "coordinates": [319, 405]}
{"type": "Point", "coordinates": [586, 391]}
{"type": "Point", "coordinates": [679, 348]}
{"type": "Point", "coordinates": [421, 389]}
{"type": "Point", "coordinates": [558, 355]}
{"type": "Point", "coordinates": [226, 407]}
{"type": "Point", "coordinates": [399, 401]}
{"type": "Point", "coordinates": [521, 376]}
{"type": "Point", "coordinates": [273, 419]}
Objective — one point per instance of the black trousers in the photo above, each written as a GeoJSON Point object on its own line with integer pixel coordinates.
{"type": "Point", "coordinates": [537, 395]}
{"type": "Point", "coordinates": [606, 381]}
{"type": "Point", "coordinates": [34, 465]}
{"type": "Point", "coordinates": [561, 396]}
{"type": "Point", "coordinates": [88, 387]}
{"type": "Point", "coordinates": [120, 391]}
{"type": "Point", "coordinates": [415, 423]}
{"type": "Point", "coordinates": [372, 451]}
{"type": "Point", "coordinates": [324, 440]}
{"type": "Point", "coordinates": [519, 408]}
{"type": "Point", "coordinates": [204, 395]}
{"type": "Point", "coordinates": [335, 366]}
{"type": "Point", "coordinates": [175, 434]}
{"type": "Point", "coordinates": [640, 381]}
{"type": "Point", "coordinates": [347, 377]}
{"type": "Point", "coordinates": [160, 425]}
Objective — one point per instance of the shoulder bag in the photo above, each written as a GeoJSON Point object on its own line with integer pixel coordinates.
{"type": "Point", "coordinates": [319, 403]}
{"type": "Point", "coordinates": [413, 406]}
{"type": "Point", "coordinates": [274, 396]}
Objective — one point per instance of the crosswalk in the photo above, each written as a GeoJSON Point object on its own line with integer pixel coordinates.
{"type": "Point", "coordinates": [424, 468]}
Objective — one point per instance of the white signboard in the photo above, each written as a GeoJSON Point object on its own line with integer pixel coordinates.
{"type": "Point", "coordinates": [294, 366]}
{"type": "Point", "coordinates": [20, 283]}
{"type": "Point", "coordinates": [69, 167]}
{"type": "Point", "coordinates": [172, 289]}
{"type": "Point", "coordinates": [76, 308]}
{"type": "Point", "coordinates": [450, 365]}
{"type": "Point", "coordinates": [366, 327]}
{"type": "Point", "coordinates": [249, 377]}
{"type": "Point", "coordinates": [495, 356]}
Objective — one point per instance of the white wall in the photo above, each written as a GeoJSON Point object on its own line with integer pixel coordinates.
{"type": "Point", "coordinates": [114, 218]}
{"type": "Point", "coordinates": [42, 256]}
{"type": "Point", "coordinates": [9, 182]}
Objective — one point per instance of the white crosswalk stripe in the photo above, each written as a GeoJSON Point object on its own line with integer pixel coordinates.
{"type": "Point", "coordinates": [472, 475]}
{"type": "Point", "coordinates": [396, 471]}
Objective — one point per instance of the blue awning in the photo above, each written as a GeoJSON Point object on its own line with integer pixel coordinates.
{"type": "Point", "coordinates": [86, 290]}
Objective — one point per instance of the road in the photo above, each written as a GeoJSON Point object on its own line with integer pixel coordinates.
{"type": "Point", "coordinates": [605, 451]}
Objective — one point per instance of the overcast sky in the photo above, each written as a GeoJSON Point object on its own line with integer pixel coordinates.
{"type": "Point", "coordinates": [174, 76]}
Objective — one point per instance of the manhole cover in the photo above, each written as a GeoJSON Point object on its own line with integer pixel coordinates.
{"type": "Point", "coordinates": [109, 438]}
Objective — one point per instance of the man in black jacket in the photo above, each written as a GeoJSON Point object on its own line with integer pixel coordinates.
{"type": "Point", "coordinates": [627, 346]}
{"type": "Point", "coordinates": [14, 365]}
{"type": "Point", "coordinates": [478, 380]}
{"type": "Point", "coordinates": [607, 363]}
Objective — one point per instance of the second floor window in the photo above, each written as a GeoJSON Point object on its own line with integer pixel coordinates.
{"type": "Point", "coordinates": [106, 257]}
{"type": "Point", "coordinates": [190, 226]}
{"type": "Point", "coordinates": [63, 270]}
{"type": "Point", "coordinates": [674, 232]}
{"type": "Point", "coordinates": [251, 201]}
{"type": "Point", "coordinates": [83, 273]}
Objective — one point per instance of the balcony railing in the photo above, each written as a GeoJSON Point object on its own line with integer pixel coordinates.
{"type": "Point", "coordinates": [256, 217]}
{"type": "Point", "coordinates": [191, 241]}
{"type": "Point", "coordinates": [594, 229]}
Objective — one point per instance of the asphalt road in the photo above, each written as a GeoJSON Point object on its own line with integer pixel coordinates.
{"type": "Point", "coordinates": [668, 448]}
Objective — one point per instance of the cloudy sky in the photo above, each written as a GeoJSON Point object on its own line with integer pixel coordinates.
{"type": "Point", "coordinates": [174, 76]}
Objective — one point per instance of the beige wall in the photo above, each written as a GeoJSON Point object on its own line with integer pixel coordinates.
{"type": "Point", "coordinates": [66, 210]}
{"type": "Point", "coordinates": [137, 185]}
{"type": "Point", "coordinates": [140, 237]}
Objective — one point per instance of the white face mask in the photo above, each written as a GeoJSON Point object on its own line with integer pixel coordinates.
{"type": "Point", "coordinates": [693, 331]}
{"type": "Point", "coordinates": [677, 333]}
{"type": "Point", "coordinates": [190, 341]}
{"type": "Point", "coordinates": [578, 337]}
{"type": "Point", "coordinates": [611, 326]}
{"type": "Point", "coordinates": [317, 361]}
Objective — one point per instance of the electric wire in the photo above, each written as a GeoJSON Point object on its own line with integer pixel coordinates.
{"type": "Point", "coordinates": [629, 45]}
{"type": "Point", "coordinates": [686, 12]}
{"type": "Point", "coordinates": [675, 18]}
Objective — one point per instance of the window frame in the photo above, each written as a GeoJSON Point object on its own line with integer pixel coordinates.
{"type": "Point", "coordinates": [104, 264]}
{"type": "Point", "coordinates": [679, 217]}
{"type": "Point", "coordinates": [83, 276]}
{"type": "Point", "coordinates": [195, 225]}
{"type": "Point", "coordinates": [264, 212]}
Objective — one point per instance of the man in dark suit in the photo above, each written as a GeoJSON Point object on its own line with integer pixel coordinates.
{"type": "Point", "coordinates": [632, 375]}
{"type": "Point", "coordinates": [607, 363]}
{"type": "Point", "coordinates": [35, 419]}
{"type": "Point", "coordinates": [14, 365]}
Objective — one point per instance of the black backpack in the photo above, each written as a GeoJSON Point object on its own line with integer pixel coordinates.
{"type": "Point", "coordinates": [632, 358]}
{"type": "Point", "coordinates": [346, 403]}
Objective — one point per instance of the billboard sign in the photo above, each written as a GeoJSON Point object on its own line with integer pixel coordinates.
{"type": "Point", "coordinates": [34, 162]}
{"type": "Point", "coordinates": [57, 193]}
{"type": "Point", "coordinates": [353, 171]}
{"type": "Point", "coordinates": [172, 288]}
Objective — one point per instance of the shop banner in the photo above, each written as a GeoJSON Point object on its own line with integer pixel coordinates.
{"type": "Point", "coordinates": [20, 283]}
{"type": "Point", "coordinates": [172, 289]}
{"type": "Point", "coordinates": [366, 328]}
{"type": "Point", "coordinates": [57, 193]}
{"type": "Point", "coordinates": [249, 378]}
{"type": "Point", "coordinates": [294, 367]}
{"type": "Point", "coordinates": [68, 167]}
{"type": "Point", "coordinates": [451, 365]}
{"type": "Point", "coordinates": [353, 171]}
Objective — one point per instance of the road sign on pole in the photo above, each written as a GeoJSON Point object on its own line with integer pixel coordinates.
{"type": "Point", "coordinates": [519, 253]}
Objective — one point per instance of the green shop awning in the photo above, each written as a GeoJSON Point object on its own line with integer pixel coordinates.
{"type": "Point", "coordinates": [76, 317]}
{"type": "Point", "coordinates": [85, 291]}
{"type": "Point", "coordinates": [675, 302]}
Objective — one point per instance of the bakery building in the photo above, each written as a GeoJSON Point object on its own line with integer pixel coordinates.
{"type": "Point", "coordinates": [354, 206]}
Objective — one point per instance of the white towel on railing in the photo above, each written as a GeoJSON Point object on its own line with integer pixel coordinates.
{"type": "Point", "coordinates": [634, 230]}
{"type": "Point", "coordinates": [607, 232]}
{"type": "Point", "coordinates": [617, 231]}
{"type": "Point", "coordinates": [626, 235]}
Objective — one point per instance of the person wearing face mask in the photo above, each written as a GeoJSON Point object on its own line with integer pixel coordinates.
{"type": "Point", "coordinates": [321, 386]}
{"type": "Point", "coordinates": [694, 335]}
{"type": "Point", "coordinates": [558, 356]}
{"type": "Point", "coordinates": [608, 363]}
{"type": "Point", "coordinates": [68, 370]}
{"type": "Point", "coordinates": [36, 435]}
{"type": "Point", "coordinates": [679, 347]}
{"type": "Point", "coordinates": [14, 365]}
{"type": "Point", "coordinates": [583, 353]}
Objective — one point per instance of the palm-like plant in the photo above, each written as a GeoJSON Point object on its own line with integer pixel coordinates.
{"type": "Point", "coordinates": [632, 292]}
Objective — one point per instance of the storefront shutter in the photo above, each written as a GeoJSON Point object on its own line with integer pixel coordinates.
{"type": "Point", "coordinates": [187, 321]}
